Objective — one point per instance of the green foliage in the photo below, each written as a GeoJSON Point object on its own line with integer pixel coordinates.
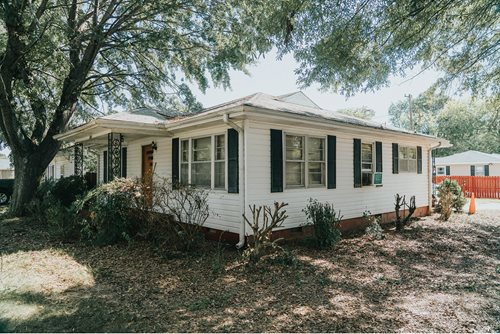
{"type": "Point", "coordinates": [363, 112]}
{"type": "Point", "coordinates": [350, 46]}
{"type": "Point", "coordinates": [425, 108]}
{"type": "Point", "coordinates": [109, 212]}
{"type": "Point", "coordinates": [450, 198]}
{"type": "Point", "coordinates": [67, 189]}
{"type": "Point", "coordinates": [325, 220]}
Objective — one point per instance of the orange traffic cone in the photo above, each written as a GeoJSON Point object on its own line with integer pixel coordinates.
{"type": "Point", "coordinates": [472, 205]}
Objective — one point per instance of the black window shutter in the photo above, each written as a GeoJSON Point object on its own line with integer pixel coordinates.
{"type": "Point", "coordinates": [332, 162]}
{"type": "Point", "coordinates": [395, 158]}
{"type": "Point", "coordinates": [472, 170]}
{"type": "Point", "coordinates": [378, 157]}
{"type": "Point", "coordinates": [486, 170]}
{"type": "Point", "coordinates": [175, 160]}
{"type": "Point", "coordinates": [447, 170]}
{"type": "Point", "coordinates": [124, 162]}
{"type": "Point", "coordinates": [276, 161]}
{"type": "Point", "coordinates": [357, 163]}
{"type": "Point", "coordinates": [419, 159]}
{"type": "Point", "coordinates": [105, 166]}
{"type": "Point", "coordinates": [232, 161]}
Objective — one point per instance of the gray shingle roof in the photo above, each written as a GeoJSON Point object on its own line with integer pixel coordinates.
{"type": "Point", "coordinates": [469, 157]}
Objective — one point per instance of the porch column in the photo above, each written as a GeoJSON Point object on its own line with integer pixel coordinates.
{"type": "Point", "coordinates": [114, 155]}
{"type": "Point", "coordinates": [78, 159]}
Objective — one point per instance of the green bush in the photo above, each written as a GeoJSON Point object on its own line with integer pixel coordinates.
{"type": "Point", "coordinates": [109, 213]}
{"type": "Point", "coordinates": [68, 189]}
{"type": "Point", "coordinates": [53, 205]}
{"type": "Point", "coordinates": [450, 197]}
{"type": "Point", "coordinates": [325, 220]}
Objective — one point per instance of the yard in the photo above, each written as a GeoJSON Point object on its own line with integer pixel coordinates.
{"type": "Point", "coordinates": [434, 277]}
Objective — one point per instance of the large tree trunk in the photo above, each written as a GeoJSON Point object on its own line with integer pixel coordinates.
{"type": "Point", "coordinates": [29, 169]}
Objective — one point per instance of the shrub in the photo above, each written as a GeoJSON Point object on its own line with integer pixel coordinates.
{"type": "Point", "coordinates": [260, 243]}
{"type": "Point", "coordinates": [52, 204]}
{"type": "Point", "coordinates": [325, 220]}
{"type": "Point", "coordinates": [374, 230]}
{"type": "Point", "coordinates": [184, 210]}
{"type": "Point", "coordinates": [67, 189]}
{"type": "Point", "coordinates": [457, 197]}
{"type": "Point", "coordinates": [109, 212]}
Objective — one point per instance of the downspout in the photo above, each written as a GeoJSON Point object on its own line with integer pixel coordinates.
{"type": "Point", "coordinates": [242, 169]}
{"type": "Point", "coordinates": [429, 169]}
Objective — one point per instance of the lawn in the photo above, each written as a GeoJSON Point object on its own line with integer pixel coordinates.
{"type": "Point", "coordinates": [433, 277]}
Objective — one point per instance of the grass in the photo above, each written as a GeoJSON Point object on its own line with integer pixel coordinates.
{"type": "Point", "coordinates": [433, 277]}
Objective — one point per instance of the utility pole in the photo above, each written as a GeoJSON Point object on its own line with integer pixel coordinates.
{"type": "Point", "coordinates": [410, 111]}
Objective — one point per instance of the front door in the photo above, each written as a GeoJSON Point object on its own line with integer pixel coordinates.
{"type": "Point", "coordinates": [147, 162]}
{"type": "Point", "coordinates": [147, 173]}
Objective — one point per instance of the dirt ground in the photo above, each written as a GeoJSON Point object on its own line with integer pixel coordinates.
{"type": "Point", "coordinates": [439, 277]}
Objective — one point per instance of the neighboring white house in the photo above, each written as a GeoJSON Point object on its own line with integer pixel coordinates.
{"type": "Point", "coordinates": [61, 166]}
{"type": "Point", "coordinates": [470, 163]}
{"type": "Point", "coordinates": [262, 148]}
{"type": "Point", "coordinates": [6, 169]}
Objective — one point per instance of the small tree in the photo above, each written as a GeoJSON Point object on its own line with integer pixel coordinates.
{"type": "Point", "coordinates": [450, 198]}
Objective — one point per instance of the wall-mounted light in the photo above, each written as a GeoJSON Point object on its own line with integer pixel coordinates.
{"type": "Point", "coordinates": [154, 146]}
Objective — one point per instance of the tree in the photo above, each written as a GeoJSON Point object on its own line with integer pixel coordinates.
{"type": "Point", "coordinates": [65, 60]}
{"type": "Point", "coordinates": [363, 112]}
{"type": "Point", "coordinates": [470, 125]}
{"type": "Point", "coordinates": [351, 46]}
{"type": "Point", "coordinates": [425, 108]}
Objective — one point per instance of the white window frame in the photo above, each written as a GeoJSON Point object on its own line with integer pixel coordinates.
{"type": "Point", "coordinates": [212, 160]}
{"type": "Point", "coordinates": [370, 170]}
{"type": "Point", "coordinates": [408, 159]}
{"type": "Point", "coordinates": [305, 162]}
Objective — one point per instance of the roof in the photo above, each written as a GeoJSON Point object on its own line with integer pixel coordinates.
{"type": "Point", "coordinates": [293, 104]}
{"type": "Point", "coordinates": [469, 157]}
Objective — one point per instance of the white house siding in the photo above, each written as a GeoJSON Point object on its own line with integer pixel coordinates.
{"type": "Point", "coordinates": [58, 163]}
{"type": "Point", "coordinates": [464, 169]}
{"type": "Point", "coordinates": [349, 200]}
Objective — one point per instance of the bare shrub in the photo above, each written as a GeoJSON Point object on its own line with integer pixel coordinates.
{"type": "Point", "coordinates": [401, 203]}
{"type": "Point", "coordinates": [260, 243]}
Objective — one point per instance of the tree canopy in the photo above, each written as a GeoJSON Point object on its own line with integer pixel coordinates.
{"type": "Point", "coordinates": [468, 124]}
{"type": "Point", "coordinates": [351, 46]}
{"type": "Point", "coordinates": [362, 112]}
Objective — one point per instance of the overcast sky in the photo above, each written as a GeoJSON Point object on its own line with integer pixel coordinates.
{"type": "Point", "coordinates": [277, 77]}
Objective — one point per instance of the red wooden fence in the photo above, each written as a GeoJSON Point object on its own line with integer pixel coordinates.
{"type": "Point", "coordinates": [481, 186]}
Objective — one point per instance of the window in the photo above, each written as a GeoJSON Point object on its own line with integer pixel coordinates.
{"type": "Point", "coordinates": [61, 171]}
{"type": "Point", "coordinates": [441, 171]}
{"type": "Point", "coordinates": [196, 158]}
{"type": "Point", "coordinates": [295, 161]}
{"type": "Point", "coordinates": [304, 154]}
{"type": "Point", "coordinates": [220, 162]}
{"type": "Point", "coordinates": [316, 161]}
{"type": "Point", "coordinates": [479, 170]}
{"type": "Point", "coordinates": [407, 159]}
{"type": "Point", "coordinates": [185, 161]}
{"type": "Point", "coordinates": [366, 164]}
{"type": "Point", "coordinates": [201, 162]}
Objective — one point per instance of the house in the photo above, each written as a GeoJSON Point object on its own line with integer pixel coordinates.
{"type": "Point", "coordinates": [470, 163]}
{"type": "Point", "coordinates": [61, 166]}
{"type": "Point", "coordinates": [262, 148]}
{"type": "Point", "coordinates": [6, 169]}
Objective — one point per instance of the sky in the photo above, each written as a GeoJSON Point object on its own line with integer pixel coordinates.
{"type": "Point", "coordinates": [276, 77]}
